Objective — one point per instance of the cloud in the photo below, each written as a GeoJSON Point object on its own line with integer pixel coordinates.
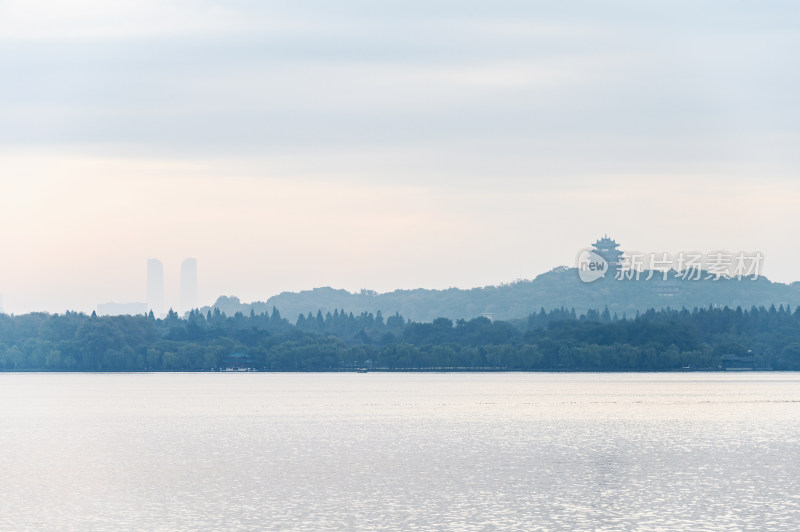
{"type": "Point", "coordinates": [438, 134]}
{"type": "Point", "coordinates": [96, 20]}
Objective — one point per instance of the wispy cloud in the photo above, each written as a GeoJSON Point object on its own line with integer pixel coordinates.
{"type": "Point", "coordinates": [396, 113]}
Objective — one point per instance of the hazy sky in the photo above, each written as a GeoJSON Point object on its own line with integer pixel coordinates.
{"type": "Point", "coordinates": [383, 145]}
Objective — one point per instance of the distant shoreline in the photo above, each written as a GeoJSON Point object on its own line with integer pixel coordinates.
{"type": "Point", "coordinates": [223, 372]}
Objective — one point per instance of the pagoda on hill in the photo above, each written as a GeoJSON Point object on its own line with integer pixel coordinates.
{"type": "Point", "coordinates": [607, 248]}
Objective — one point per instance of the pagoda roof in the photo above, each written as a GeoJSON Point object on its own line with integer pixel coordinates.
{"type": "Point", "coordinates": [606, 241]}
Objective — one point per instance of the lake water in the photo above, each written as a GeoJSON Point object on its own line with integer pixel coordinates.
{"type": "Point", "coordinates": [380, 451]}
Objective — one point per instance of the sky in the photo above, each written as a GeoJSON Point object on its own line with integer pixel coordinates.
{"type": "Point", "coordinates": [384, 145]}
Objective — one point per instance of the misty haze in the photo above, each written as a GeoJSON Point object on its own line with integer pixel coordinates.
{"type": "Point", "coordinates": [399, 266]}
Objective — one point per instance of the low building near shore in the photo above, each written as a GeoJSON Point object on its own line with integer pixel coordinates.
{"type": "Point", "coordinates": [738, 362]}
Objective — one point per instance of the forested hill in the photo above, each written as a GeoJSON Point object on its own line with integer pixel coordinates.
{"type": "Point", "coordinates": [766, 338]}
{"type": "Point", "coordinates": [558, 288]}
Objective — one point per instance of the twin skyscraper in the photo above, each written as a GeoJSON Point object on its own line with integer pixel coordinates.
{"type": "Point", "coordinates": [155, 286]}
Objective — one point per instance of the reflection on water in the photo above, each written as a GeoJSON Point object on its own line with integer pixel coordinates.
{"type": "Point", "coordinates": [400, 451]}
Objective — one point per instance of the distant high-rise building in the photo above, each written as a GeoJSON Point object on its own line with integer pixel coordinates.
{"type": "Point", "coordinates": [188, 285]}
{"type": "Point", "coordinates": [155, 286]}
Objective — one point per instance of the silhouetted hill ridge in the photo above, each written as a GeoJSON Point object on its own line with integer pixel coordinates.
{"type": "Point", "coordinates": [557, 288]}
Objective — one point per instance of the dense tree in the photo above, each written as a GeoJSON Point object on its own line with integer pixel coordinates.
{"type": "Point", "coordinates": [547, 340]}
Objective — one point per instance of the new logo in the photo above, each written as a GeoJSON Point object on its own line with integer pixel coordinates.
{"type": "Point", "coordinates": [591, 266]}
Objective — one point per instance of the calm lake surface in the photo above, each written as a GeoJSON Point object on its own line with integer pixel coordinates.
{"type": "Point", "coordinates": [381, 451]}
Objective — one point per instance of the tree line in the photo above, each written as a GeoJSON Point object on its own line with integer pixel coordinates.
{"type": "Point", "coordinates": [550, 340]}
